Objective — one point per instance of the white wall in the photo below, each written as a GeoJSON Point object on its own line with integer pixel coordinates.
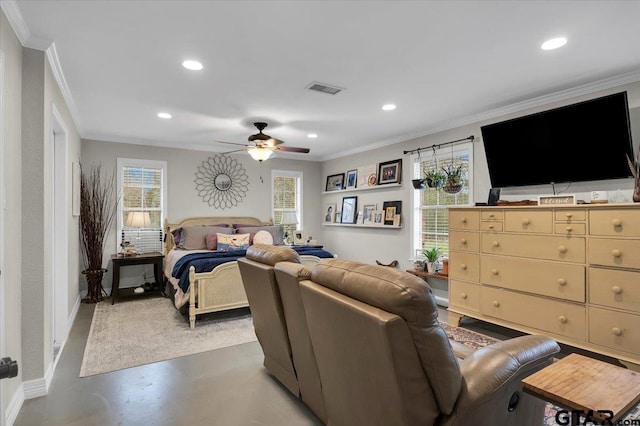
{"type": "Point", "coordinates": [183, 199]}
{"type": "Point", "coordinates": [368, 245]}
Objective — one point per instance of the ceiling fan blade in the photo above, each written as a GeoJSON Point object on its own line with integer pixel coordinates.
{"type": "Point", "coordinates": [270, 143]}
{"type": "Point", "coordinates": [291, 149]}
{"type": "Point", "coordinates": [231, 152]}
{"type": "Point", "coordinates": [231, 143]}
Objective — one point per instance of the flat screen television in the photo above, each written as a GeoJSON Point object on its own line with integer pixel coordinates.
{"type": "Point", "coordinates": [586, 141]}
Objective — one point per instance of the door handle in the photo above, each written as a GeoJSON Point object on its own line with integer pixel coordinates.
{"type": "Point", "coordinates": [8, 368]}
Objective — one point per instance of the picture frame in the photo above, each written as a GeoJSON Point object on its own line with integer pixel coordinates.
{"type": "Point", "coordinates": [367, 176]}
{"type": "Point", "coordinates": [378, 217]}
{"type": "Point", "coordinates": [360, 218]}
{"type": "Point", "coordinates": [330, 213]}
{"type": "Point", "coordinates": [352, 176]}
{"type": "Point", "coordinates": [349, 209]}
{"type": "Point", "coordinates": [339, 217]}
{"type": "Point", "coordinates": [391, 210]}
{"type": "Point", "coordinates": [390, 172]}
{"type": "Point", "coordinates": [335, 182]}
{"type": "Point", "coordinates": [298, 238]}
{"type": "Point", "coordinates": [367, 213]}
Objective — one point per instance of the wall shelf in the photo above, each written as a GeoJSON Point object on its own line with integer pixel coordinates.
{"type": "Point", "coordinates": [356, 225]}
{"type": "Point", "coordinates": [366, 188]}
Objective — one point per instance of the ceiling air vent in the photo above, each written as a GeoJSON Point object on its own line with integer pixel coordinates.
{"type": "Point", "coordinates": [324, 88]}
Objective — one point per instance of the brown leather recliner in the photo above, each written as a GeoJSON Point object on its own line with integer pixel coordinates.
{"type": "Point", "coordinates": [259, 282]}
{"type": "Point", "coordinates": [383, 358]}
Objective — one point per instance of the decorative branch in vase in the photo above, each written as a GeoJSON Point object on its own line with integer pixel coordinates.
{"type": "Point", "coordinates": [635, 171]}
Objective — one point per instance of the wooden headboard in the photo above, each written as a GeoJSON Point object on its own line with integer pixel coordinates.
{"type": "Point", "coordinates": [207, 221]}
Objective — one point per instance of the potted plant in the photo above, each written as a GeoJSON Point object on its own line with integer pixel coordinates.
{"type": "Point", "coordinates": [453, 178]}
{"type": "Point", "coordinates": [98, 207]}
{"type": "Point", "coordinates": [434, 179]}
{"type": "Point", "coordinates": [432, 256]}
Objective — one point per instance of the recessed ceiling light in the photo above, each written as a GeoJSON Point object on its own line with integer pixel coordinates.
{"type": "Point", "coordinates": [164, 115]}
{"type": "Point", "coordinates": [388, 107]}
{"type": "Point", "coordinates": [554, 43]}
{"type": "Point", "coordinates": [192, 65]}
{"type": "Point", "coordinates": [312, 135]}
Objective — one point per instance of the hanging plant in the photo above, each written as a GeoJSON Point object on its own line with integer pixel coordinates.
{"type": "Point", "coordinates": [453, 178]}
{"type": "Point", "coordinates": [434, 179]}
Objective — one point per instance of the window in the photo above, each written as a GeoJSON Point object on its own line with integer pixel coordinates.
{"type": "Point", "coordinates": [286, 191]}
{"type": "Point", "coordinates": [141, 212]}
{"type": "Point", "coordinates": [430, 213]}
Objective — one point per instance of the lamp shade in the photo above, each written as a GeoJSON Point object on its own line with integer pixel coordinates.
{"type": "Point", "coordinates": [260, 154]}
{"type": "Point", "coordinates": [138, 219]}
{"type": "Point", "coordinates": [289, 218]}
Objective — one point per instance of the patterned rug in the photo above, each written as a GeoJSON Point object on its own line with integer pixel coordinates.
{"type": "Point", "coordinates": [476, 340]}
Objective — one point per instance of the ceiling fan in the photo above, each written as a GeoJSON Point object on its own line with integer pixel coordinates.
{"type": "Point", "coordinates": [262, 146]}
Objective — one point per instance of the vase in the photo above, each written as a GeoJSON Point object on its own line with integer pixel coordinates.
{"type": "Point", "coordinates": [429, 267]}
{"type": "Point", "coordinates": [95, 291]}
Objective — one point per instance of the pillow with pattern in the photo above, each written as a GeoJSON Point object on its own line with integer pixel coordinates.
{"type": "Point", "coordinates": [233, 242]}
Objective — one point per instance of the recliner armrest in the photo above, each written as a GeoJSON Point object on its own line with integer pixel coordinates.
{"type": "Point", "coordinates": [491, 368]}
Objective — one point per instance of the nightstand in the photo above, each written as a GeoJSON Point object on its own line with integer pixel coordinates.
{"type": "Point", "coordinates": [156, 259]}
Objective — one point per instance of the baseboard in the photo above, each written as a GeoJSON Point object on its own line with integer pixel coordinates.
{"type": "Point", "coordinates": [37, 387]}
{"type": "Point", "coordinates": [13, 409]}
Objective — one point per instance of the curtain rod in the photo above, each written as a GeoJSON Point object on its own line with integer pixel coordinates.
{"type": "Point", "coordinates": [411, 151]}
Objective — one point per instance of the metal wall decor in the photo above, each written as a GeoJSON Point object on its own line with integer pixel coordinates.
{"type": "Point", "coordinates": [221, 181]}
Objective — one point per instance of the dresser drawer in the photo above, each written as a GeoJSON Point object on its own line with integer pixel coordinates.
{"type": "Point", "coordinates": [464, 219]}
{"type": "Point", "coordinates": [464, 266]}
{"type": "Point", "coordinates": [571, 215]}
{"type": "Point", "coordinates": [530, 221]}
{"type": "Point", "coordinates": [464, 295]}
{"type": "Point", "coordinates": [463, 240]}
{"type": "Point", "coordinates": [570, 228]}
{"type": "Point", "coordinates": [548, 315]}
{"type": "Point", "coordinates": [491, 226]}
{"type": "Point", "coordinates": [492, 215]}
{"type": "Point", "coordinates": [559, 280]}
{"type": "Point", "coordinates": [615, 330]}
{"type": "Point", "coordinates": [614, 252]}
{"type": "Point", "coordinates": [616, 289]}
{"type": "Point", "coordinates": [615, 222]}
{"type": "Point", "coordinates": [561, 248]}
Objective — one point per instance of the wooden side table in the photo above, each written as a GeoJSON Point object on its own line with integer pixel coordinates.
{"type": "Point", "coordinates": [582, 383]}
{"type": "Point", "coordinates": [157, 259]}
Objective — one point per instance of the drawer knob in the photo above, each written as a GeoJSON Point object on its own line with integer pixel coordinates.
{"type": "Point", "coordinates": [463, 295]}
{"type": "Point", "coordinates": [463, 241]}
{"type": "Point", "coordinates": [562, 319]}
{"type": "Point", "coordinates": [492, 215]}
{"type": "Point", "coordinates": [616, 222]}
{"type": "Point", "coordinates": [496, 303]}
{"type": "Point", "coordinates": [562, 249]}
{"type": "Point", "coordinates": [463, 266]}
{"type": "Point", "coordinates": [569, 229]}
{"type": "Point", "coordinates": [562, 281]}
{"type": "Point", "coordinates": [526, 221]}
{"type": "Point", "coordinates": [616, 253]}
{"type": "Point", "coordinates": [494, 271]}
{"type": "Point", "coordinates": [495, 244]}
{"type": "Point", "coordinates": [490, 226]}
{"type": "Point", "coordinates": [616, 289]}
{"type": "Point", "coordinates": [569, 215]}
{"type": "Point", "coordinates": [616, 331]}
{"type": "Point", "coordinates": [463, 220]}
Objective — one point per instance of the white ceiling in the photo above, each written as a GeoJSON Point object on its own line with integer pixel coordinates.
{"type": "Point", "coordinates": [440, 62]}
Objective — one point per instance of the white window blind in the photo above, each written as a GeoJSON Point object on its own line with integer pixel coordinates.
{"type": "Point", "coordinates": [141, 212]}
{"type": "Point", "coordinates": [286, 191]}
{"type": "Point", "coordinates": [431, 215]}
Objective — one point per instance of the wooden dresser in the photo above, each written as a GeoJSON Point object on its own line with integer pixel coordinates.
{"type": "Point", "coordinates": [570, 272]}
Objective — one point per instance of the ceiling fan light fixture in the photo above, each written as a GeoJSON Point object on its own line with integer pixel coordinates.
{"type": "Point", "coordinates": [192, 65]}
{"type": "Point", "coordinates": [260, 154]}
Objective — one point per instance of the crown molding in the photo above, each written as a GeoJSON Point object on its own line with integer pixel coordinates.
{"type": "Point", "coordinates": [585, 89]}
{"type": "Point", "coordinates": [19, 26]}
{"type": "Point", "coordinates": [56, 69]}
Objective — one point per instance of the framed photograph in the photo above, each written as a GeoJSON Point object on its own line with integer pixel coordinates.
{"type": "Point", "coordinates": [367, 176]}
{"type": "Point", "coordinates": [330, 213]}
{"type": "Point", "coordinates": [339, 217]}
{"type": "Point", "coordinates": [360, 219]}
{"type": "Point", "coordinates": [349, 209]}
{"type": "Point", "coordinates": [391, 210]}
{"type": "Point", "coordinates": [335, 182]}
{"type": "Point", "coordinates": [298, 239]}
{"type": "Point", "coordinates": [390, 172]}
{"type": "Point", "coordinates": [367, 213]}
{"type": "Point", "coordinates": [378, 217]}
{"type": "Point", "coordinates": [352, 176]}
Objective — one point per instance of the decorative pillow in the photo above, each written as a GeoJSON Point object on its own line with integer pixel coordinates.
{"type": "Point", "coordinates": [276, 231]}
{"type": "Point", "coordinates": [233, 242]}
{"type": "Point", "coordinates": [212, 241]}
{"type": "Point", "coordinates": [178, 238]}
{"type": "Point", "coordinates": [195, 237]}
{"type": "Point", "coordinates": [262, 237]}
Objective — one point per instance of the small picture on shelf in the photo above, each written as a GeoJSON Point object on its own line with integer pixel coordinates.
{"type": "Point", "coordinates": [389, 172]}
{"type": "Point", "coordinates": [298, 239]}
{"type": "Point", "coordinates": [360, 219]}
{"type": "Point", "coordinates": [339, 217]}
{"type": "Point", "coordinates": [378, 217]}
{"type": "Point", "coordinates": [367, 176]}
{"type": "Point", "coordinates": [391, 210]}
{"type": "Point", "coordinates": [335, 182]}
{"type": "Point", "coordinates": [349, 209]}
{"type": "Point", "coordinates": [330, 213]}
{"type": "Point", "coordinates": [367, 211]}
{"type": "Point", "coordinates": [351, 179]}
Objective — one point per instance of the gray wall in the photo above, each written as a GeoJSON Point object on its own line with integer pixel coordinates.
{"type": "Point", "coordinates": [183, 199]}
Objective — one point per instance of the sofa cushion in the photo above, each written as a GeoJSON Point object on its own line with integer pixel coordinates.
{"type": "Point", "coordinates": [270, 254]}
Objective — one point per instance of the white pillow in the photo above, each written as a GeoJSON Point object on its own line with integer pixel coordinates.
{"type": "Point", "coordinates": [263, 237]}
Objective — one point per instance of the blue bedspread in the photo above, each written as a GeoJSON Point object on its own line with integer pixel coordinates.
{"type": "Point", "coordinates": [205, 262]}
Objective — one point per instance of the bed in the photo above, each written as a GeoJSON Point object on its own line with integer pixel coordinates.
{"type": "Point", "coordinates": [203, 280]}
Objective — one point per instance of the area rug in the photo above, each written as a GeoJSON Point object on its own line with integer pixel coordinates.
{"type": "Point", "coordinates": [137, 332]}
